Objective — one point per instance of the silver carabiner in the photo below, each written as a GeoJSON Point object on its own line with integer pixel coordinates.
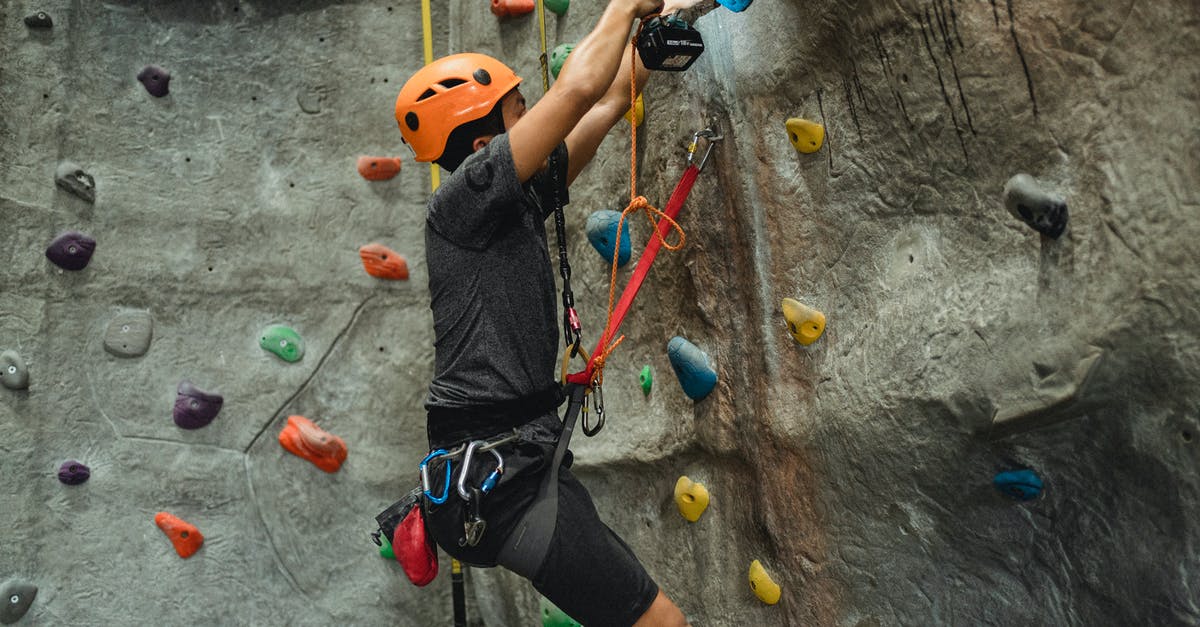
{"type": "Point", "coordinates": [708, 134]}
{"type": "Point", "coordinates": [466, 467]}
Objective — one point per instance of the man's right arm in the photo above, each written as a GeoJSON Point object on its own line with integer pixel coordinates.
{"type": "Point", "coordinates": [590, 71]}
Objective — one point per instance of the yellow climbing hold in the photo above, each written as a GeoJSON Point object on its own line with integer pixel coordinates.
{"type": "Point", "coordinates": [638, 111]}
{"type": "Point", "coordinates": [691, 497]}
{"type": "Point", "coordinates": [763, 586]}
{"type": "Point", "coordinates": [804, 323]}
{"type": "Point", "coordinates": [806, 136]}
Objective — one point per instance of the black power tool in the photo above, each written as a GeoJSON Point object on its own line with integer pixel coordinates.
{"type": "Point", "coordinates": [669, 43]}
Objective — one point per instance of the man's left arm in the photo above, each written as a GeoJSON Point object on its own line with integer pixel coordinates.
{"type": "Point", "coordinates": [585, 138]}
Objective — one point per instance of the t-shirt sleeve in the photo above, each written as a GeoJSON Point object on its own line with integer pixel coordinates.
{"type": "Point", "coordinates": [478, 197]}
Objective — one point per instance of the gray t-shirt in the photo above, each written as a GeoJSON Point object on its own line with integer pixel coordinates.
{"type": "Point", "coordinates": [492, 285]}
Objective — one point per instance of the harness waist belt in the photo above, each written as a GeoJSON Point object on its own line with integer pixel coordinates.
{"type": "Point", "coordinates": [449, 426]}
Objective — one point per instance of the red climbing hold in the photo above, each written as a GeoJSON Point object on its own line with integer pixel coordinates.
{"type": "Point", "coordinates": [511, 8]}
{"type": "Point", "coordinates": [378, 168]}
{"type": "Point", "coordinates": [184, 535]}
{"type": "Point", "coordinates": [304, 439]}
{"type": "Point", "coordinates": [383, 262]}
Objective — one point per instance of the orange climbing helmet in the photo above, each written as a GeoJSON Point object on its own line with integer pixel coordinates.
{"type": "Point", "coordinates": [446, 94]}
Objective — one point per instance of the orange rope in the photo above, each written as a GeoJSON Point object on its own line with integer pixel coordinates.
{"type": "Point", "coordinates": [636, 203]}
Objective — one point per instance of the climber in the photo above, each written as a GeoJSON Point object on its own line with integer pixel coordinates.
{"type": "Point", "coordinates": [493, 299]}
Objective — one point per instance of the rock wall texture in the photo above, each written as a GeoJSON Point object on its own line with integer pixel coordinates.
{"type": "Point", "coordinates": [858, 469]}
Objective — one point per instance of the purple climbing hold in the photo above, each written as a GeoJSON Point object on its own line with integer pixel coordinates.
{"type": "Point", "coordinates": [71, 250]}
{"type": "Point", "coordinates": [73, 473]}
{"type": "Point", "coordinates": [155, 80]}
{"type": "Point", "coordinates": [41, 19]}
{"type": "Point", "coordinates": [195, 408]}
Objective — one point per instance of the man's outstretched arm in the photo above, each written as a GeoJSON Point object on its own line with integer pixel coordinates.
{"type": "Point", "coordinates": [583, 141]}
{"type": "Point", "coordinates": [595, 60]}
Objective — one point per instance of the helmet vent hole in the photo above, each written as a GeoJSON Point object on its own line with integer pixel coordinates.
{"type": "Point", "coordinates": [482, 77]}
{"type": "Point", "coordinates": [411, 120]}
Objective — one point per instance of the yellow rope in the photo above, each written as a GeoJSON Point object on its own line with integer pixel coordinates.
{"type": "Point", "coordinates": [544, 60]}
{"type": "Point", "coordinates": [427, 27]}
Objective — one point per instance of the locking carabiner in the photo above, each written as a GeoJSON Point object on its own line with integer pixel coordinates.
{"type": "Point", "coordinates": [712, 138]}
{"type": "Point", "coordinates": [425, 484]}
{"type": "Point", "coordinates": [493, 478]}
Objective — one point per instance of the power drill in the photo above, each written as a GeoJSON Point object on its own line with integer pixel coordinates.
{"type": "Point", "coordinates": [668, 43]}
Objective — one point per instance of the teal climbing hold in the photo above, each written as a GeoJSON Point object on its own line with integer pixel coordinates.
{"type": "Point", "coordinates": [1023, 485]}
{"type": "Point", "coordinates": [554, 617]}
{"type": "Point", "coordinates": [284, 342]}
{"type": "Point", "coordinates": [602, 233]}
{"type": "Point", "coordinates": [558, 57]}
{"type": "Point", "coordinates": [647, 379]}
{"type": "Point", "coordinates": [696, 374]}
{"type": "Point", "coordinates": [559, 7]}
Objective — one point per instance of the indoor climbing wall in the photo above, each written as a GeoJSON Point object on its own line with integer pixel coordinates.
{"type": "Point", "coordinates": [929, 354]}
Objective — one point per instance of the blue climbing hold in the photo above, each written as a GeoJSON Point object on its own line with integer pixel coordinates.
{"type": "Point", "coordinates": [737, 6]}
{"type": "Point", "coordinates": [1023, 485]}
{"type": "Point", "coordinates": [602, 233]}
{"type": "Point", "coordinates": [696, 374]}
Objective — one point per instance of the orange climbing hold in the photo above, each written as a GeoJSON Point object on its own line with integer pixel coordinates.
{"type": "Point", "coordinates": [383, 262]}
{"type": "Point", "coordinates": [378, 168]}
{"type": "Point", "coordinates": [184, 535]}
{"type": "Point", "coordinates": [511, 8]}
{"type": "Point", "coordinates": [304, 439]}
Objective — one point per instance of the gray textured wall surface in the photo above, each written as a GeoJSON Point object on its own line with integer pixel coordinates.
{"type": "Point", "coordinates": [858, 469]}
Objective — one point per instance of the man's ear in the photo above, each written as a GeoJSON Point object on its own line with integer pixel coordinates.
{"type": "Point", "coordinates": [480, 142]}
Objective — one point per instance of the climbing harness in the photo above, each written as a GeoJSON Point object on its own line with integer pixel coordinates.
{"type": "Point", "coordinates": [474, 525]}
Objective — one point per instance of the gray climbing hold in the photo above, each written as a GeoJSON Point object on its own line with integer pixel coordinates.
{"type": "Point", "coordinates": [129, 334]}
{"type": "Point", "coordinates": [310, 98]}
{"type": "Point", "coordinates": [15, 598]}
{"type": "Point", "coordinates": [14, 374]}
{"type": "Point", "coordinates": [41, 19]}
{"type": "Point", "coordinates": [195, 408]}
{"type": "Point", "coordinates": [72, 178]}
{"type": "Point", "coordinates": [1028, 201]}
{"type": "Point", "coordinates": [71, 250]}
{"type": "Point", "coordinates": [156, 80]}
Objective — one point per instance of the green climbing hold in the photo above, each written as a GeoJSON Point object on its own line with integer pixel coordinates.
{"type": "Point", "coordinates": [647, 379]}
{"type": "Point", "coordinates": [554, 617]}
{"type": "Point", "coordinates": [283, 341]}
{"type": "Point", "coordinates": [385, 548]}
{"type": "Point", "coordinates": [558, 57]}
{"type": "Point", "coordinates": [558, 6]}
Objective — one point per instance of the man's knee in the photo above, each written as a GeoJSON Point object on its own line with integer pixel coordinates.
{"type": "Point", "coordinates": [662, 613]}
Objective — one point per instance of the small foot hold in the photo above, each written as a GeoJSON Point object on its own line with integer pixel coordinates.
{"type": "Point", "coordinates": [1030, 202]}
{"type": "Point", "coordinates": [71, 250]}
{"type": "Point", "coordinates": [15, 598]}
{"type": "Point", "coordinates": [378, 168]}
{"type": "Point", "coordinates": [804, 323]}
{"type": "Point", "coordinates": [511, 8]}
{"type": "Point", "coordinates": [72, 472]}
{"type": "Point", "coordinates": [637, 113]}
{"type": "Point", "coordinates": [306, 440]}
{"type": "Point", "coordinates": [602, 233]}
{"type": "Point", "coordinates": [693, 366]}
{"type": "Point", "coordinates": [691, 498]}
{"type": "Point", "coordinates": [1022, 485]}
{"type": "Point", "coordinates": [129, 334]}
{"type": "Point", "coordinates": [646, 378]}
{"type": "Point", "coordinates": [195, 408]}
{"type": "Point", "coordinates": [14, 374]}
{"type": "Point", "coordinates": [283, 342]}
{"type": "Point", "coordinates": [763, 586]}
{"type": "Point", "coordinates": [184, 535]}
{"type": "Point", "coordinates": [73, 179]}
{"type": "Point", "coordinates": [156, 80]}
{"type": "Point", "coordinates": [382, 262]}
{"type": "Point", "coordinates": [806, 136]}
{"type": "Point", "coordinates": [558, 57]}
{"type": "Point", "coordinates": [41, 19]}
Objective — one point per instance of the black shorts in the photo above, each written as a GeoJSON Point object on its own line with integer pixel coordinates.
{"type": "Point", "coordinates": [589, 572]}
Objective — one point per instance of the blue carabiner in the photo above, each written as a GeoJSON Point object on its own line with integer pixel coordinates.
{"type": "Point", "coordinates": [425, 477]}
